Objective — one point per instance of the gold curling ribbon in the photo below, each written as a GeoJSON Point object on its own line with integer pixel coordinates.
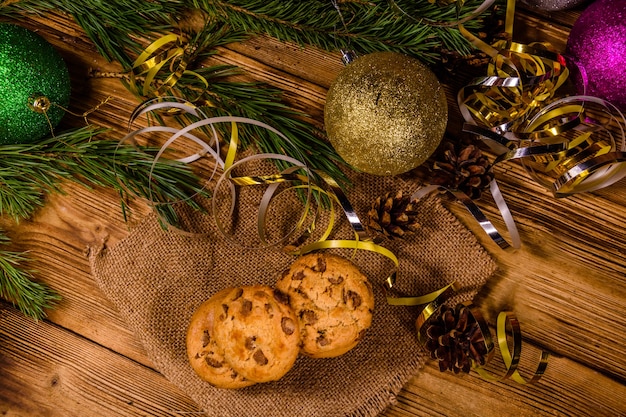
{"type": "Point", "coordinates": [171, 53]}
{"type": "Point", "coordinates": [519, 79]}
{"type": "Point", "coordinates": [511, 356]}
{"type": "Point", "coordinates": [561, 143]}
{"type": "Point", "coordinates": [362, 240]}
{"type": "Point", "coordinates": [566, 147]}
{"type": "Point", "coordinates": [299, 174]}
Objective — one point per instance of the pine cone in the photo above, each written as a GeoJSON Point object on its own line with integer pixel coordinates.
{"type": "Point", "coordinates": [468, 171]}
{"type": "Point", "coordinates": [455, 339]}
{"type": "Point", "coordinates": [393, 216]}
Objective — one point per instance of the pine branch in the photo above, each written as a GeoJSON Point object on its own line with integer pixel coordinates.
{"type": "Point", "coordinates": [29, 171]}
{"type": "Point", "coordinates": [113, 25]}
{"type": "Point", "coordinates": [17, 285]}
{"type": "Point", "coordinates": [252, 100]}
{"type": "Point", "coordinates": [365, 26]}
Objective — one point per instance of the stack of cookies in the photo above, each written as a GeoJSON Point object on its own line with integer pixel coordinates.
{"type": "Point", "coordinates": [320, 307]}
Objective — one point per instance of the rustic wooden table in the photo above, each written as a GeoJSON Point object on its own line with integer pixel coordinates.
{"type": "Point", "coordinates": [566, 284]}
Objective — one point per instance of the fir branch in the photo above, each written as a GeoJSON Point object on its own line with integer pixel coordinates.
{"type": "Point", "coordinates": [362, 26]}
{"type": "Point", "coordinates": [112, 25]}
{"type": "Point", "coordinates": [29, 171]}
{"type": "Point", "coordinates": [365, 26]}
{"type": "Point", "coordinates": [252, 100]}
{"type": "Point", "coordinates": [17, 285]}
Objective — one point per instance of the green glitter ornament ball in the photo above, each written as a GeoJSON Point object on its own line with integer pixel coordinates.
{"type": "Point", "coordinates": [34, 81]}
{"type": "Point", "coordinates": [385, 113]}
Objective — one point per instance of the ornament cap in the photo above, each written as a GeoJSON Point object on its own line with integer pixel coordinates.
{"type": "Point", "coordinates": [347, 56]}
{"type": "Point", "coordinates": [39, 103]}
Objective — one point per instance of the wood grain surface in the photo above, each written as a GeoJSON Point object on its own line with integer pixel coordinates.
{"type": "Point", "coordinates": [566, 284]}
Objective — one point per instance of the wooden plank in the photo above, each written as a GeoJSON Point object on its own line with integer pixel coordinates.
{"type": "Point", "coordinates": [57, 239]}
{"type": "Point", "coordinates": [49, 372]}
{"type": "Point", "coordinates": [565, 390]}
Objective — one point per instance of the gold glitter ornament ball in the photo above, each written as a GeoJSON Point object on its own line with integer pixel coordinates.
{"type": "Point", "coordinates": [386, 113]}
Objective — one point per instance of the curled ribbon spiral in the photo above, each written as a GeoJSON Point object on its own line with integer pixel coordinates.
{"type": "Point", "coordinates": [568, 145]}
{"type": "Point", "coordinates": [302, 178]}
{"type": "Point", "coordinates": [299, 176]}
{"type": "Point", "coordinates": [512, 108]}
{"type": "Point", "coordinates": [171, 54]}
{"type": "Point", "coordinates": [510, 74]}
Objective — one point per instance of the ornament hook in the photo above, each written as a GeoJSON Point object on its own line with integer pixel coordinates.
{"type": "Point", "coordinates": [39, 103]}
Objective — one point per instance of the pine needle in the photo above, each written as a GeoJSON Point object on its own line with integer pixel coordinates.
{"type": "Point", "coordinates": [364, 26]}
{"type": "Point", "coordinates": [18, 287]}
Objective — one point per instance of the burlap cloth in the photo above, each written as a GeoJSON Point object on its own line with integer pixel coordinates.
{"type": "Point", "coordinates": [157, 278]}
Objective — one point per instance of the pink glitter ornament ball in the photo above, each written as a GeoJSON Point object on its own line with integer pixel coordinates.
{"type": "Point", "coordinates": [553, 5]}
{"type": "Point", "coordinates": [597, 49]}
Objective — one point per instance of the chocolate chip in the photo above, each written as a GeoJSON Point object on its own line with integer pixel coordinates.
{"type": "Point", "coordinates": [281, 297]}
{"type": "Point", "coordinates": [320, 266]}
{"type": "Point", "coordinates": [298, 276]}
{"type": "Point", "coordinates": [335, 280]}
{"type": "Point", "coordinates": [351, 297]}
{"type": "Point", "coordinates": [238, 294]}
{"type": "Point", "coordinates": [259, 357]}
{"type": "Point", "coordinates": [246, 307]}
{"type": "Point", "coordinates": [223, 316]}
{"type": "Point", "coordinates": [206, 338]}
{"type": "Point", "coordinates": [322, 340]}
{"type": "Point", "coordinates": [213, 363]}
{"type": "Point", "coordinates": [288, 325]}
{"type": "Point", "coordinates": [308, 316]}
{"type": "Point", "coordinates": [250, 342]}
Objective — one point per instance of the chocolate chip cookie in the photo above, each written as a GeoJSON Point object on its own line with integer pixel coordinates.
{"type": "Point", "coordinates": [205, 356]}
{"type": "Point", "coordinates": [333, 300]}
{"type": "Point", "coordinates": [258, 332]}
